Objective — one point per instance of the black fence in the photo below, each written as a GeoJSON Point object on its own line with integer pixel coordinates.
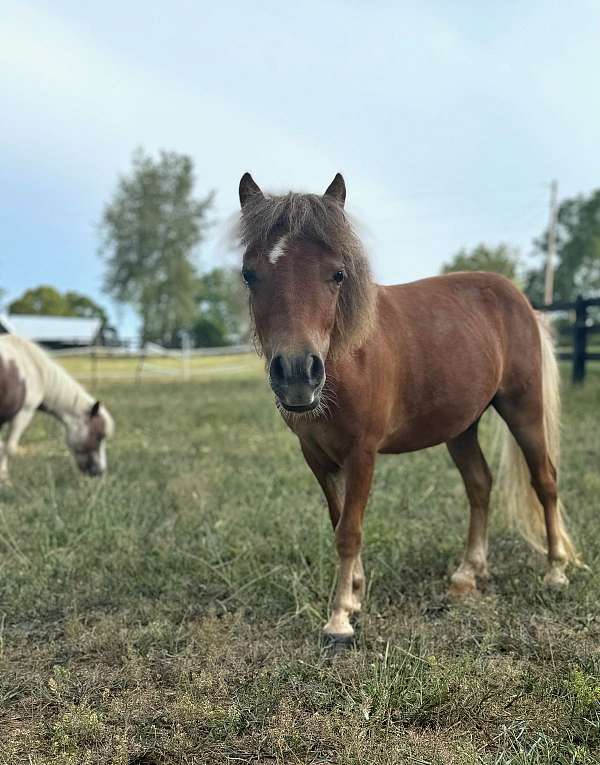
{"type": "Point", "coordinates": [576, 331]}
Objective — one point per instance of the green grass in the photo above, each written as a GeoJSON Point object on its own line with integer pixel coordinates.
{"type": "Point", "coordinates": [171, 613]}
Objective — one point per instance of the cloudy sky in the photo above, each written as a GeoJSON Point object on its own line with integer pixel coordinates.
{"type": "Point", "coordinates": [447, 118]}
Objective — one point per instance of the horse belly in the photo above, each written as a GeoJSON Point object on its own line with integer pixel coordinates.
{"type": "Point", "coordinates": [12, 390]}
{"type": "Point", "coordinates": [404, 440]}
{"type": "Point", "coordinates": [436, 420]}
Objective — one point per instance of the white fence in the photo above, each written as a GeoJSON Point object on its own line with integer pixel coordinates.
{"type": "Point", "coordinates": [104, 363]}
{"type": "Point", "coordinates": [151, 349]}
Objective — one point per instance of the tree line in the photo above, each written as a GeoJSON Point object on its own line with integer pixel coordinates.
{"type": "Point", "coordinates": [154, 224]}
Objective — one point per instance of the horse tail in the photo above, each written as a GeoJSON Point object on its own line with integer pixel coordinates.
{"type": "Point", "coordinates": [517, 496]}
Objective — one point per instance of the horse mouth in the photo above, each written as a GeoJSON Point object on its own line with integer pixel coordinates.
{"type": "Point", "coordinates": [300, 409]}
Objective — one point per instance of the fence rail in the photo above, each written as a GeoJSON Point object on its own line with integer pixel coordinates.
{"type": "Point", "coordinates": [98, 363]}
{"type": "Point", "coordinates": [107, 351]}
{"type": "Point", "coordinates": [580, 330]}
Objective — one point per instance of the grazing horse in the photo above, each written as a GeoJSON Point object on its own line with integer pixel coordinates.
{"type": "Point", "coordinates": [31, 380]}
{"type": "Point", "coordinates": [360, 369]}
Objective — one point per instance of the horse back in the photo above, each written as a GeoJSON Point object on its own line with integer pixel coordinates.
{"type": "Point", "coordinates": [473, 319]}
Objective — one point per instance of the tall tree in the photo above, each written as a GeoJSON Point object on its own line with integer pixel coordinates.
{"type": "Point", "coordinates": [577, 269]}
{"type": "Point", "coordinates": [150, 231]}
{"type": "Point", "coordinates": [48, 301]}
{"type": "Point", "coordinates": [501, 259]}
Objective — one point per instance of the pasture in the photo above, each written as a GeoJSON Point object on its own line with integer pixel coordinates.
{"type": "Point", "coordinates": [171, 612]}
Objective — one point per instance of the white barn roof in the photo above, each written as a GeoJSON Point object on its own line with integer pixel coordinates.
{"type": "Point", "coordinates": [70, 330]}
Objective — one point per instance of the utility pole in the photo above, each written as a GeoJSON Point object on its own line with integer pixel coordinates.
{"type": "Point", "coordinates": [551, 254]}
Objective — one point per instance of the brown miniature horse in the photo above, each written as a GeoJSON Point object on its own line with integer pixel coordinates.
{"type": "Point", "coordinates": [360, 369]}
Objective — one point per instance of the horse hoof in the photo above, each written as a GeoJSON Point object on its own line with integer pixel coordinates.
{"type": "Point", "coordinates": [556, 579]}
{"type": "Point", "coordinates": [338, 631]}
{"type": "Point", "coordinates": [462, 587]}
{"type": "Point", "coordinates": [338, 643]}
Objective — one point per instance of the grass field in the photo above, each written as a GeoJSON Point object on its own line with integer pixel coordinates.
{"type": "Point", "coordinates": [171, 612]}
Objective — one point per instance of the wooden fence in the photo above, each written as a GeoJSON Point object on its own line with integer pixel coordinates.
{"type": "Point", "coordinates": [577, 333]}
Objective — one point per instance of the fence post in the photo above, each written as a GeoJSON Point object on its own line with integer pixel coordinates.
{"type": "Point", "coordinates": [579, 340]}
{"type": "Point", "coordinates": [140, 365]}
{"type": "Point", "coordinates": [185, 354]}
{"type": "Point", "coordinates": [94, 368]}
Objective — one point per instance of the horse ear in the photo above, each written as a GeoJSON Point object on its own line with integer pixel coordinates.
{"type": "Point", "coordinates": [248, 188]}
{"type": "Point", "coordinates": [337, 189]}
{"type": "Point", "coordinates": [95, 409]}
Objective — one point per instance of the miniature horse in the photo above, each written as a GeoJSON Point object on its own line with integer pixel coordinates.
{"type": "Point", "coordinates": [30, 381]}
{"type": "Point", "coordinates": [360, 369]}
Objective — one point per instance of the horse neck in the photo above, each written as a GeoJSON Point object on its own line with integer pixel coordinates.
{"type": "Point", "coordinates": [63, 396]}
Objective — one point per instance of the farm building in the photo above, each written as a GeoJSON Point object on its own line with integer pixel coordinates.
{"type": "Point", "coordinates": [54, 331]}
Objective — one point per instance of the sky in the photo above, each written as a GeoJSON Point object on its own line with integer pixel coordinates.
{"type": "Point", "coordinates": [448, 120]}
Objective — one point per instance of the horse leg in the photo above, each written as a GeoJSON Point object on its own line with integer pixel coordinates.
{"type": "Point", "coordinates": [3, 462]}
{"type": "Point", "coordinates": [358, 471]}
{"type": "Point", "coordinates": [525, 421]}
{"type": "Point", "coordinates": [468, 458]}
{"type": "Point", "coordinates": [332, 481]}
{"type": "Point", "coordinates": [358, 583]}
{"type": "Point", "coordinates": [17, 427]}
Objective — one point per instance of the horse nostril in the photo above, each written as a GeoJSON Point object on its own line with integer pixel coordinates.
{"type": "Point", "coordinates": [316, 370]}
{"type": "Point", "coordinates": [276, 369]}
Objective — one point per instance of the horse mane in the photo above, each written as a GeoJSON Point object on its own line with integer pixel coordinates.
{"type": "Point", "coordinates": [320, 219]}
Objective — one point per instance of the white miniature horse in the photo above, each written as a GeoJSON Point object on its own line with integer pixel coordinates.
{"type": "Point", "coordinates": [31, 380]}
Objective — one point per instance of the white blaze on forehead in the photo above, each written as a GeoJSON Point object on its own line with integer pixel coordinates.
{"type": "Point", "coordinates": [278, 250]}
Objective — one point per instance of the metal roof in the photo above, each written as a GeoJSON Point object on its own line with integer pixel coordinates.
{"type": "Point", "coordinates": [63, 329]}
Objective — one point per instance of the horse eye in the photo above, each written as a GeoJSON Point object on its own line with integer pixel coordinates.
{"type": "Point", "coordinates": [338, 277]}
{"type": "Point", "coordinates": [248, 276]}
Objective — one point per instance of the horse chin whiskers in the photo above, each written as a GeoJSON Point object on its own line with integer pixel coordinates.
{"type": "Point", "coordinates": [311, 414]}
{"type": "Point", "coordinates": [321, 411]}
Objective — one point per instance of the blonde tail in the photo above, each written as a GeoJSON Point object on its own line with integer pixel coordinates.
{"type": "Point", "coordinates": [517, 496]}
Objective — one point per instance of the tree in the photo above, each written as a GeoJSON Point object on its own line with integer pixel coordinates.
{"type": "Point", "coordinates": [43, 300]}
{"type": "Point", "coordinates": [84, 306]}
{"type": "Point", "coordinates": [501, 260]}
{"type": "Point", "coordinates": [222, 308]}
{"type": "Point", "coordinates": [577, 269]}
{"type": "Point", "coordinates": [150, 231]}
{"type": "Point", "coordinates": [48, 301]}
{"type": "Point", "coordinates": [209, 333]}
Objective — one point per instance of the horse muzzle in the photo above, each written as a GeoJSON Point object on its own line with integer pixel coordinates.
{"type": "Point", "coordinates": [90, 464]}
{"type": "Point", "coordinates": [297, 380]}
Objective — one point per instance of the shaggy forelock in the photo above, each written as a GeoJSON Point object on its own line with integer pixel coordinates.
{"type": "Point", "coordinates": [320, 219]}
